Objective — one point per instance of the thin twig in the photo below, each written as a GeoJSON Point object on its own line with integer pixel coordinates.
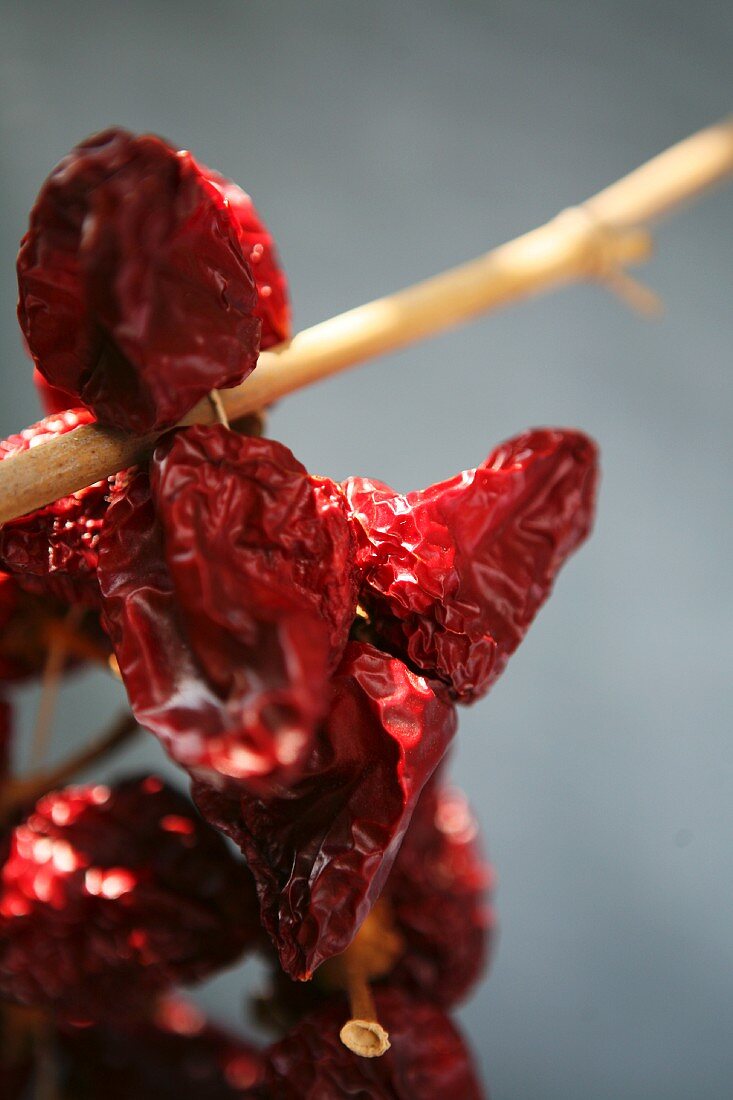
{"type": "Point", "coordinates": [595, 241]}
{"type": "Point", "coordinates": [17, 793]}
{"type": "Point", "coordinates": [50, 684]}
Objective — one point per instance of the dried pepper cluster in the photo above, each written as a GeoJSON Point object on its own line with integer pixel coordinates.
{"type": "Point", "coordinates": [297, 645]}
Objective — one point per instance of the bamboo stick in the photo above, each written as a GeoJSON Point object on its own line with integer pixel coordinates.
{"type": "Point", "coordinates": [593, 241]}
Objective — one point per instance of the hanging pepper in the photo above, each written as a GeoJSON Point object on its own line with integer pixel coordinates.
{"type": "Point", "coordinates": [453, 575]}
{"type": "Point", "coordinates": [54, 550]}
{"type": "Point", "coordinates": [228, 585]}
{"type": "Point", "coordinates": [428, 1058]}
{"type": "Point", "coordinates": [429, 933]}
{"type": "Point", "coordinates": [135, 294]}
{"type": "Point", "coordinates": [321, 851]}
{"type": "Point", "coordinates": [108, 895]}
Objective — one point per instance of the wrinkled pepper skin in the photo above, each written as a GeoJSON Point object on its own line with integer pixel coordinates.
{"type": "Point", "coordinates": [258, 246]}
{"type": "Point", "coordinates": [438, 897]}
{"type": "Point", "coordinates": [428, 1059]}
{"type": "Point", "coordinates": [453, 575]}
{"type": "Point", "coordinates": [108, 896]}
{"type": "Point", "coordinates": [229, 589]}
{"type": "Point", "coordinates": [54, 550]}
{"type": "Point", "coordinates": [134, 292]}
{"type": "Point", "coordinates": [321, 851]}
{"type": "Point", "coordinates": [175, 1056]}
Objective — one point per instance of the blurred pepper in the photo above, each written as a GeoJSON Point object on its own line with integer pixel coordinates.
{"type": "Point", "coordinates": [437, 896]}
{"type": "Point", "coordinates": [109, 895]}
{"type": "Point", "coordinates": [453, 575]}
{"type": "Point", "coordinates": [229, 590]}
{"type": "Point", "coordinates": [177, 1055]}
{"type": "Point", "coordinates": [428, 1059]}
{"type": "Point", "coordinates": [321, 851]}
{"type": "Point", "coordinates": [135, 294]}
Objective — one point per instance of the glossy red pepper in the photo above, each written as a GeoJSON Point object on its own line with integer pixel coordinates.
{"type": "Point", "coordinates": [54, 550]}
{"type": "Point", "coordinates": [453, 575]}
{"type": "Point", "coordinates": [438, 899]}
{"type": "Point", "coordinates": [135, 294]}
{"type": "Point", "coordinates": [321, 851]}
{"type": "Point", "coordinates": [258, 246]}
{"type": "Point", "coordinates": [428, 1059]}
{"type": "Point", "coordinates": [107, 896]}
{"type": "Point", "coordinates": [177, 1055]}
{"type": "Point", "coordinates": [229, 590]}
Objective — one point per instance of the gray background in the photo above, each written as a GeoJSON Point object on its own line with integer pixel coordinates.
{"type": "Point", "coordinates": [383, 142]}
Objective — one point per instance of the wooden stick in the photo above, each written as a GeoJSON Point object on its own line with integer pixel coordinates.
{"type": "Point", "coordinates": [594, 241]}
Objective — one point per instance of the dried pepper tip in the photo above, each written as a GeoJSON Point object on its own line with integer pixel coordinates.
{"type": "Point", "coordinates": [109, 895]}
{"type": "Point", "coordinates": [134, 291]}
{"type": "Point", "coordinates": [229, 587]}
{"type": "Point", "coordinates": [321, 851]}
{"type": "Point", "coordinates": [453, 575]}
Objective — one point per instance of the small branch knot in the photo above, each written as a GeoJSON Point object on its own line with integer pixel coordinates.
{"type": "Point", "coordinates": [609, 250]}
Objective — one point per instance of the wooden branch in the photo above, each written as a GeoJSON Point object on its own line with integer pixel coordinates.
{"type": "Point", "coordinates": [593, 241]}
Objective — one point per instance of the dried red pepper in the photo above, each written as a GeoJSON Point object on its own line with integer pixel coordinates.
{"type": "Point", "coordinates": [258, 246]}
{"type": "Point", "coordinates": [135, 294]}
{"type": "Point", "coordinates": [229, 590]}
{"type": "Point", "coordinates": [54, 550]}
{"type": "Point", "coordinates": [321, 851]}
{"type": "Point", "coordinates": [437, 896]}
{"type": "Point", "coordinates": [428, 1058]}
{"type": "Point", "coordinates": [108, 896]}
{"type": "Point", "coordinates": [177, 1055]}
{"type": "Point", "coordinates": [454, 574]}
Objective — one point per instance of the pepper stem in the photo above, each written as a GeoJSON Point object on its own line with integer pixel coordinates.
{"type": "Point", "coordinates": [371, 955]}
{"type": "Point", "coordinates": [362, 1034]}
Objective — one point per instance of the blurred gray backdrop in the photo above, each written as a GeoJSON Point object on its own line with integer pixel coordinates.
{"type": "Point", "coordinates": [383, 142]}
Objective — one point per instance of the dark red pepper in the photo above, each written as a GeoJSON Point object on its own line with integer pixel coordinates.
{"type": "Point", "coordinates": [437, 897]}
{"type": "Point", "coordinates": [108, 896]}
{"type": "Point", "coordinates": [135, 294]}
{"type": "Point", "coordinates": [453, 575]}
{"type": "Point", "coordinates": [175, 1056]}
{"type": "Point", "coordinates": [229, 590]}
{"type": "Point", "coordinates": [428, 1059]}
{"type": "Point", "coordinates": [54, 550]}
{"type": "Point", "coordinates": [258, 246]}
{"type": "Point", "coordinates": [321, 851]}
